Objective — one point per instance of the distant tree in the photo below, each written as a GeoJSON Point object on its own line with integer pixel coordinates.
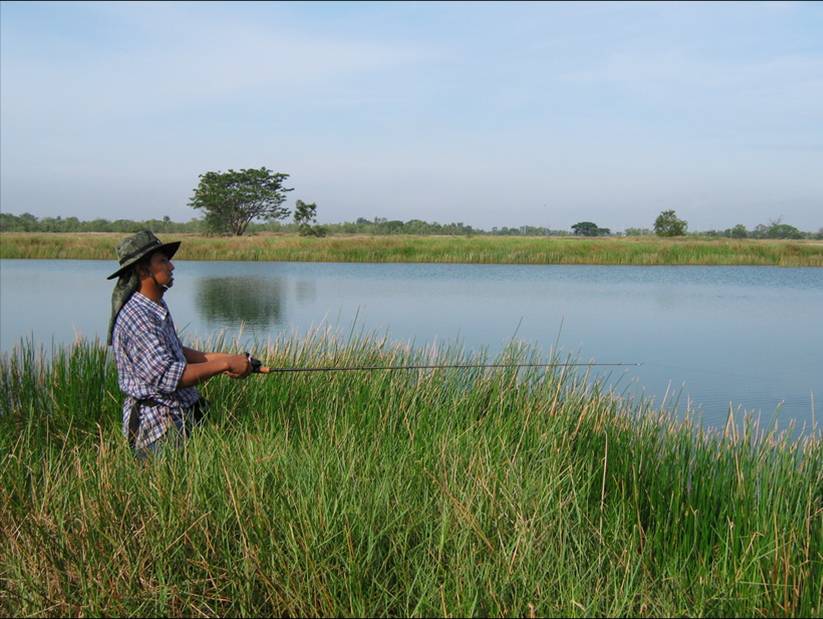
{"type": "Point", "coordinates": [760, 231]}
{"type": "Point", "coordinates": [10, 223]}
{"type": "Point", "coordinates": [739, 232]}
{"type": "Point", "coordinates": [415, 226]}
{"type": "Point", "coordinates": [667, 224]}
{"type": "Point", "coordinates": [28, 222]}
{"type": "Point", "coordinates": [233, 199]}
{"type": "Point", "coordinates": [775, 229]}
{"type": "Point", "coordinates": [304, 216]}
{"type": "Point", "coordinates": [392, 226]}
{"type": "Point", "coordinates": [783, 231]}
{"type": "Point", "coordinates": [778, 230]}
{"type": "Point", "coordinates": [637, 232]}
{"type": "Point", "coordinates": [585, 228]}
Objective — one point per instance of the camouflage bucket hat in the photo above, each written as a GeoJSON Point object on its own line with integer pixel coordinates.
{"type": "Point", "coordinates": [133, 248]}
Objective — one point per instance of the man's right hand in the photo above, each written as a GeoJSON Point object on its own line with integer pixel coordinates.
{"type": "Point", "coordinates": [239, 366]}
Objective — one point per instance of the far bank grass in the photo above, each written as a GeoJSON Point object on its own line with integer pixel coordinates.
{"type": "Point", "coordinates": [435, 249]}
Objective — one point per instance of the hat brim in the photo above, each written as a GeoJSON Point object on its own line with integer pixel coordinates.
{"type": "Point", "coordinates": [167, 248]}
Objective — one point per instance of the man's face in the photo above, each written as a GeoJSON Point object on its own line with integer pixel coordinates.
{"type": "Point", "coordinates": [160, 267]}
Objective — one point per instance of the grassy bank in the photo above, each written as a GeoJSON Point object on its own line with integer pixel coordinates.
{"type": "Point", "coordinates": [478, 249]}
{"type": "Point", "coordinates": [411, 494]}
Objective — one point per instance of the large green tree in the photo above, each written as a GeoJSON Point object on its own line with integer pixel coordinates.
{"type": "Point", "coordinates": [233, 199]}
{"type": "Point", "coordinates": [667, 224]}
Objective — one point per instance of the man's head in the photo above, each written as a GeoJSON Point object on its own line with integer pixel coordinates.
{"type": "Point", "coordinates": [141, 248]}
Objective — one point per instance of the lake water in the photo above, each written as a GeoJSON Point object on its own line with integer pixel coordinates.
{"type": "Point", "coordinates": [749, 336]}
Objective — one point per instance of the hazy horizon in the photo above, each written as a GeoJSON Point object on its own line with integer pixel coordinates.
{"type": "Point", "coordinates": [491, 114]}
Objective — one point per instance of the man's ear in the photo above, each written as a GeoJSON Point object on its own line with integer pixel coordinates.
{"type": "Point", "coordinates": [142, 269]}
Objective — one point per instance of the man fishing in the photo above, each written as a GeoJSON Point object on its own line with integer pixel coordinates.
{"type": "Point", "coordinates": [155, 371]}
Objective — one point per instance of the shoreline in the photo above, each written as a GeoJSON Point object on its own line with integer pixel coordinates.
{"type": "Point", "coordinates": [623, 251]}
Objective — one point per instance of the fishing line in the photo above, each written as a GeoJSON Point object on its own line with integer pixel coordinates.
{"type": "Point", "coordinates": [717, 372]}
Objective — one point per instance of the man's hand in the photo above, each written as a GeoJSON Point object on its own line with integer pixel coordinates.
{"type": "Point", "coordinates": [239, 366]}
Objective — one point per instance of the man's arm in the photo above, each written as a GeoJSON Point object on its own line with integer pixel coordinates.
{"type": "Point", "coordinates": [201, 366]}
{"type": "Point", "coordinates": [196, 356]}
{"type": "Point", "coordinates": [198, 372]}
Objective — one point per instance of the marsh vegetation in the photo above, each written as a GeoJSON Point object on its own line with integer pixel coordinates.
{"type": "Point", "coordinates": [448, 492]}
{"type": "Point", "coordinates": [436, 249]}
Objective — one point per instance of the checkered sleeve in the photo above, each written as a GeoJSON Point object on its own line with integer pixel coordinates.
{"type": "Point", "coordinates": [154, 362]}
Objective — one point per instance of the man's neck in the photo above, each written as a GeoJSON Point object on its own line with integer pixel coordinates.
{"type": "Point", "coordinates": [150, 290]}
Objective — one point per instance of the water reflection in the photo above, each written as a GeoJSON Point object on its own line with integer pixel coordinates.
{"type": "Point", "coordinates": [306, 291]}
{"type": "Point", "coordinates": [228, 301]}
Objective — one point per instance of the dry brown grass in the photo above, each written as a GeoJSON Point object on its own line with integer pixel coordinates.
{"type": "Point", "coordinates": [435, 249]}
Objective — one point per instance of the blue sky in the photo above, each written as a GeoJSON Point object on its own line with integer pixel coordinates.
{"type": "Point", "coordinates": [490, 114]}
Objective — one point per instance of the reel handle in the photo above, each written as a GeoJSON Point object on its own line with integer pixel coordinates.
{"type": "Point", "coordinates": [256, 364]}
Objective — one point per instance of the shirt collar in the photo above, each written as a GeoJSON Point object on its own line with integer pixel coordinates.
{"type": "Point", "coordinates": [160, 309]}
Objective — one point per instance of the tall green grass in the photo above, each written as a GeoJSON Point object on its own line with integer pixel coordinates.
{"type": "Point", "coordinates": [480, 249]}
{"type": "Point", "coordinates": [447, 492]}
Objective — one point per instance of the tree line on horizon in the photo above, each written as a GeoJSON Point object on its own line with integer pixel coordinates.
{"type": "Point", "coordinates": [378, 226]}
{"type": "Point", "coordinates": [251, 200]}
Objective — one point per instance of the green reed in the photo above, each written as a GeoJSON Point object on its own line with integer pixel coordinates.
{"type": "Point", "coordinates": [419, 493]}
{"type": "Point", "coordinates": [476, 249]}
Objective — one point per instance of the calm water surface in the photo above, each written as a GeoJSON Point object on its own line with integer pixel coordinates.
{"type": "Point", "coordinates": [749, 336]}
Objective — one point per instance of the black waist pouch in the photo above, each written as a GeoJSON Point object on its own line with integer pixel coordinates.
{"type": "Point", "coordinates": [198, 411]}
{"type": "Point", "coordinates": [192, 416]}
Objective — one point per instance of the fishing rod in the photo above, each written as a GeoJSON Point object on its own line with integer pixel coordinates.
{"type": "Point", "coordinates": [257, 366]}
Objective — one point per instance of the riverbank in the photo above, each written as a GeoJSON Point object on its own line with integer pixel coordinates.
{"type": "Point", "coordinates": [405, 493]}
{"type": "Point", "coordinates": [432, 249]}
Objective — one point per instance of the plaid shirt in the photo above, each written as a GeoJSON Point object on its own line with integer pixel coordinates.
{"type": "Point", "coordinates": [150, 362]}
